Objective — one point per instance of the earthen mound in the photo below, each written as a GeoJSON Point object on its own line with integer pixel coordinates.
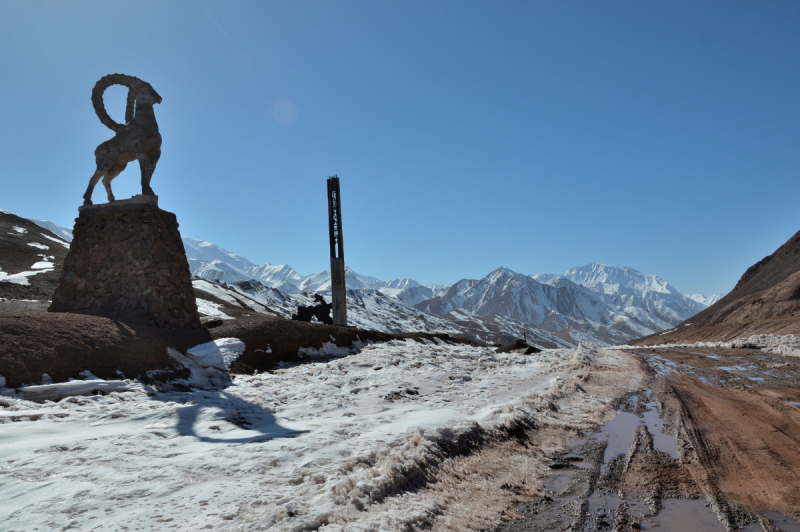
{"type": "Point", "coordinates": [64, 345]}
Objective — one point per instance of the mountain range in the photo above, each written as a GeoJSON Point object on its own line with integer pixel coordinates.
{"type": "Point", "coordinates": [593, 303]}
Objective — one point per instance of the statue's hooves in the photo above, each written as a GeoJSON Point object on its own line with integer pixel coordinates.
{"type": "Point", "coordinates": [87, 202]}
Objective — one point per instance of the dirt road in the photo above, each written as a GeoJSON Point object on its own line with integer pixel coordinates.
{"type": "Point", "coordinates": [710, 442]}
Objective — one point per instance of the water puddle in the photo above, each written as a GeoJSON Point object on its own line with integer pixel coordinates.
{"type": "Point", "coordinates": [793, 403]}
{"type": "Point", "coordinates": [677, 515]}
{"type": "Point", "coordinates": [561, 474]}
{"type": "Point", "coordinates": [762, 370]}
{"type": "Point", "coordinates": [680, 515]}
{"type": "Point", "coordinates": [604, 500]}
{"type": "Point", "coordinates": [558, 481]}
{"type": "Point", "coordinates": [619, 431]}
{"type": "Point", "coordinates": [784, 523]}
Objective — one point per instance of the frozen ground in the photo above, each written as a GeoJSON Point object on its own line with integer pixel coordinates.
{"type": "Point", "coordinates": [304, 448]}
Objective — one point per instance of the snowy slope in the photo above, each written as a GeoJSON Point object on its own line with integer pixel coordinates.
{"type": "Point", "coordinates": [366, 308]}
{"type": "Point", "coordinates": [31, 258]}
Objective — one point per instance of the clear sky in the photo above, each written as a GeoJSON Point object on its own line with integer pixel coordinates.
{"type": "Point", "coordinates": [664, 136]}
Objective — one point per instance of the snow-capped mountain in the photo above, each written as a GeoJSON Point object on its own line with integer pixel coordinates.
{"type": "Point", "coordinates": [415, 294]}
{"type": "Point", "coordinates": [609, 304]}
{"type": "Point", "coordinates": [705, 301]}
{"type": "Point", "coordinates": [202, 251]}
{"type": "Point", "coordinates": [368, 309]}
{"type": "Point", "coordinates": [209, 261]}
{"type": "Point", "coordinates": [633, 291]}
{"type": "Point", "coordinates": [321, 282]}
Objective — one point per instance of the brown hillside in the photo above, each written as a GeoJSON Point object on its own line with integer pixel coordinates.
{"type": "Point", "coordinates": [765, 300]}
{"type": "Point", "coordinates": [22, 245]}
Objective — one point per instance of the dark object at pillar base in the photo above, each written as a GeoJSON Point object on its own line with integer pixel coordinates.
{"type": "Point", "coordinates": [127, 262]}
{"type": "Point", "coordinates": [321, 310]}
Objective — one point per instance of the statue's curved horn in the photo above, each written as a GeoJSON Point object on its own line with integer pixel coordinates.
{"type": "Point", "coordinates": [97, 98]}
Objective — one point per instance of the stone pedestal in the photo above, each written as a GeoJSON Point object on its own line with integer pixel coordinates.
{"type": "Point", "coordinates": [127, 262]}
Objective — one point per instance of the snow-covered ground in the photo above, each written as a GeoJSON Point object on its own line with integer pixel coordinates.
{"type": "Point", "coordinates": [306, 447]}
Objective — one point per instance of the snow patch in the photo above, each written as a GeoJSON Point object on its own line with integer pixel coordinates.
{"type": "Point", "coordinates": [209, 363]}
{"type": "Point", "coordinates": [330, 349]}
{"type": "Point", "coordinates": [211, 309]}
{"type": "Point", "coordinates": [218, 353]}
{"type": "Point", "coordinates": [56, 240]}
{"type": "Point", "coordinates": [71, 388]}
{"type": "Point", "coordinates": [787, 345]}
{"type": "Point", "coordinates": [38, 245]}
{"type": "Point", "coordinates": [21, 278]}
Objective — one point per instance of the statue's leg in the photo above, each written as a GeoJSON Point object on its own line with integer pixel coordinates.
{"type": "Point", "coordinates": [87, 197]}
{"type": "Point", "coordinates": [148, 165]}
{"type": "Point", "coordinates": [113, 172]}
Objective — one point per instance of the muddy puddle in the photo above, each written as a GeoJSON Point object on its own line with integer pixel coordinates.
{"type": "Point", "coordinates": [783, 523]}
{"type": "Point", "coordinates": [638, 410]}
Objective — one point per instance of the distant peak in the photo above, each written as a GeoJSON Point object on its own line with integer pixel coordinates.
{"type": "Point", "coordinates": [503, 270]}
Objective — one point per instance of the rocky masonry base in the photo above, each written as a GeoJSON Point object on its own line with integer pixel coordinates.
{"type": "Point", "coordinates": [127, 262]}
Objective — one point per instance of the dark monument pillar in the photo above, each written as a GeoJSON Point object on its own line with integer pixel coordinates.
{"type": "Point", "coordinates": [338, 292]}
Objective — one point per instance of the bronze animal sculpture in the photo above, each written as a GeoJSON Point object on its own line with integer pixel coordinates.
{"type": "Point", "coordinates": [138, 138]}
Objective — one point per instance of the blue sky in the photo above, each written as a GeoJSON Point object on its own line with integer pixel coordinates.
{"type": "Point", "coordinates": [664, 136]}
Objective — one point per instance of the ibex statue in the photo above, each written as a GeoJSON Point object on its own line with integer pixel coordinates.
{"type": "Point", "coordinates": [138, 138]}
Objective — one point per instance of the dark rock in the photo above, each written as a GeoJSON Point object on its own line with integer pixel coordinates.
{"type": "Point", "coordinates": [519, 345]}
